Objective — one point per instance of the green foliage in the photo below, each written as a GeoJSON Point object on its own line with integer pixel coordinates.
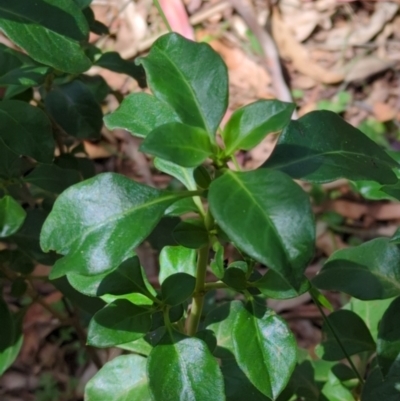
{"type": "Point", "coordinates": [55, 210]}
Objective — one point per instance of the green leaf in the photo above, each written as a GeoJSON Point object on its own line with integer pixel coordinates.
{"type": "Point", "coordinates": [17, 261]}
{"type": "Point", "coordinates": [176, 259]}
{"type": "Point", "coordinates": [321, 147]}
{"type": "Point", "coordinates": [26, 130]}
{"type": "Point", "coordinates": [83, 166]}
{"type": "Point", "coordinates": [254, 209]}
{"type": "Point", "coordinates": [368, 271]}
{"type": "Point", "coordinates": [181, 207]}
{"type": "Point", "coordinates": [9, 355]}
{"type": "Point", "coordinates": [182, 174]}
{"type": "Point", "coordinates": [25, 76]}
{"type": "Point", "coordinates": [334, 390]}
{"type": "Point", "coordinates": [249, 125]}
{"type": "Point", "coordinates": [179, 143]}
{"type": "Point", "coordinates": [352, 332]}
{"type": "Point", "coordinates": [269, 359]}
{"type": "Point", "coordinates": [52, 178]}
{"type": "Point", "coordinates": [50, 31]}
{"type": "Point", "coordinates": [191, 233]}
{"type": "Point", "coordinates": [178, 73]}
{"type": "Point", "coordinates": [92, 223]}
{"type": "Point", "coordinates": [183, 369]}
{"type": "Point", "coordinates": [7, 329]}
{"type": "Point", "coordinates": [75, 109]}
{"type": "Point", "coordinates": [236, 275]}
{"type": "Point", "coordinates": [114, 62]}
{"type": "Point", "coordinates": [221, 321]}
{"type": "Point", "coordinates": [118, 323]}
{"type": "Point", "coordinates": [396, 237]}
{"type": "Point", "coordinates": [388, 345]}
{"type": "Point", "coordinates": [140, 113]}
{"type": "Point", "coordinates": [217, 263]}
{"type": "Point", "coordinates": [177, 288]}
{"type": "Point", "coordinates": [12, 216]}
{"type": "Point", "coordinates": [122, 379]}
{"type": "Point", "coordinates": [10, 163]}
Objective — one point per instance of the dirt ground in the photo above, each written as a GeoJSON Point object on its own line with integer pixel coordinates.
{"type": "Point", "coordinates": [341, 55]}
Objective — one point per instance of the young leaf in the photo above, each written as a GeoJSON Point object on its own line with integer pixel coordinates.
{"type": "Point", "coordinates": [182, 369]}
{"type": "Point", "coordinates": [118, 323]}
{"type": "Point", "coordinates": [52, 178]}
{"type": "Point", "coordinates": [388, 345]}
{"type": "Point", "coordinates": [191, 233]}
{"type": "Point", "coordinates": [178, 73]}
{"type": "Point", "coordinates": [321, 147]}
{"type": "Point", "coordinates": [249, 125]}
{"type": "Point", "coordinates": [179, 143]}
{"type": "Point", "coordinates": [50, 31]}
{"type": "Point", "coordinates": [253, 208]}
{"type": "Point", "coordinates": [97, 223]}
{"type": "Point", "coordinates": [368, 271]}
{"type": "Point", "coordinates": [352, 332]}
{"type": "Point", "coordinates": [26, 130]}
{"type": "Point", "coordinates": [269, 359]}
{"type": "Point", "coordinates": [75, 109]}
{"type": "Point", "coordinates": [12, 216]}
{"type": "Point", "coordinates": [184, 175]}
{"type": "Point", "coordinates": [140, 113]}
{"type": "Point", "coordinates": [177, 288]}
{"type": "Point", "coordinates": [334, 390]}
{"type": "Point", "coordinates": [124, 378]}
{"type": "Point", "coordinates": [176, 259]}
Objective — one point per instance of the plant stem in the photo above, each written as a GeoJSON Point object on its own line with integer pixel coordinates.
{"type": "Point", "coordinates": [326, 321]}
{"type": "Point", "coordinates": [214, 285]}
{"type": "Point", "coordinates": [161, 12]}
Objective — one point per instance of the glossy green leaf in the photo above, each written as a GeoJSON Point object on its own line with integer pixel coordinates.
{"type": "Point", "coordinates": [254, 209]}
{"type": "Point", "coordinates": [176, 259]}
{"type": "Point", "coordinates": [184, 175]}
{"type": "Point", "coordinates": [183, 369]}
{"type": "Point", "coordinates": [396, 237]}
{"type": "Point", "coordinates": [50, 31]}
{"type": "Point", "coordinates": [177, 288]}
{"type": "Point", "coordinates": [118, 323]}
{"type": "Point", "coordinates": [370, 312]}
{"type": "Point", "coordinates": [221, 321]}
{"type": "Point", "coordinates": [97, 223]}
{"type": "Point", "coordinates": [321, 147]}
{"type": "Point", "coordinates": [12, 216]}
{"type": "Point", "coordinates": [373, 190]}
{"type": "Point", "coordinates": [140, 113]}
{"type": "Point", "coordinates": [191, 77]}
{"type": "Point", "coordinates": [270, 358]}
{"type": "Point", "coordinates": [75, 109]}
{"type": "Point", "coordinates": [379, 388]}
{"type": "Point", "coordinates": [352, 332]}
{"type": "Point", "coordinates": [128, 278]}
{"type": "Point", "coordinates": [191, 233]}
{"type": "Point", "coordinates": [181, 207]}
{"type": "Point", "coordinates": [388, 345]}
{"type": "Point", "coordinates": [179, 143]}
{"type": "Point", "coordinates": [52, 178]}
{"type": "Point", "coordinates": [145, 344]}
{"type": "Point", "coordinates": [114, 62]}
{"type": "Point", "coordinates": [26, 130]}
{"type": "Point", "coordinates": [122, 379]}
{"type": "Point", "coordinates": [249, 125]}
{"type": "Point", "coordinates": [368, 271]}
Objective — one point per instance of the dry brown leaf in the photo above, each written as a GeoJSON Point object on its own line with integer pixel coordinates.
{"type": "Point", "coordinates": [383, 112]}
{"type": "Point", "coordinates": [96, 151]}
{"type": "Point", "coordinates": [365, 67]}
{"type": "Point", "coordinates": [351, 210]}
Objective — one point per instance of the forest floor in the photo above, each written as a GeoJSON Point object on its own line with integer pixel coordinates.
{"type": "Point", "coordinates": [340, 55]}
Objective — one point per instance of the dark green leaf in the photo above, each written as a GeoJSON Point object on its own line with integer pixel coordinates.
{"type": "Point", "coordinates": [181, 207]}
{"type": "Point", "coordinates": [118, 323]}
{"type": "Point", "coordinates": [162, 233]}
{"type": "Point", "coordinates": [52, 178]}
{"type": "Point", "coordinates": [254, 209]}
{"type": "Point", "coordinates": [97, 223]}
{"type": "Point", "coordinates": [26, 130]}
{"type": "Point", "coordinates": [82, 3]}
{"type": "Point", "coordinates": [177, 288]}
{"type": "Point", "coordinates": [140, 113]}
{"type": "Point", "coordinates": [97, 85]}
{"type": "Point", "coordinates": [7, 329]}
{"type": "Point", "coordinates": [191, 77]}
{"type": "Point", "coordinates": [209, 338]}
{"type": "Point", "coordinates": [84, 166]}
{"type": "Point", "coordinates": [334, 390]}
{"type": "Point", "coordinates": [176, 259]}
{"type": "Point", "coordinates": [18, 287]}
{"type": "Point", "coordinates": [50, 31]}
{"type": "Point", "coordinates": [388, 345]}
{"type": "Point", "coordinates": [179, 143]}
{"type": "Point", "coordinates": [368, 271]}
{"type": "Point", "coordinates": [10, 163]}
{"type": "Point", "coordinates": [249, 125]}
{"type": "Point", "coordinates": [25, 76]}
{"type": "Point", "coordinates": [191, 233]}
{"type": "Point", "coordinates": [122, 379]}
{"type": "Point", "coordinates": [183, 369]}
{"type": "Point", "coordinates": [17, 261]}
{"type": "Point", "coordinates": [12, 216]}
{"type": "Point", "coordinates": [352, 332]}
{"type": "Point", "coordinates": [321, 147]}
{"type": "Point", "coordinates": [269, 358]}
{"type": "Point", "coordinates": [145, 344]}
{"type": "Point", "coordinates": [75, 109]}
{"type": "Point", "coordinates": [95, 26]}
{"type": "Point", "coordinates": [236, 276]}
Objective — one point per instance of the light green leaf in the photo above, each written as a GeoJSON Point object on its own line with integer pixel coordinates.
{"type": "Point", "coordinates": [176, 259]}
{"type": "Point", "coordinates": [12, 216]}
{"type": "Point", "coordinates": [182, 174]}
